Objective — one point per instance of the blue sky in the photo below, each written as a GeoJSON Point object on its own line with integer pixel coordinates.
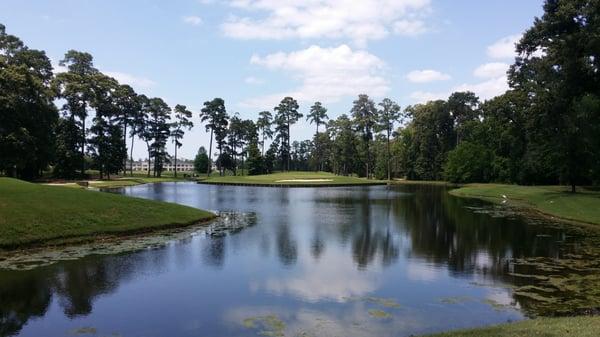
{"type": "Point", "coordinates": [254, 52]}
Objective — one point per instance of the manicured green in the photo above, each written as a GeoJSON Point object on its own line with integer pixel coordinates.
{"type": "Point", "coordinates": [37, 214]}
{"type": "Point", "coordinates": [292, 178]}
{"type": "Point", "coordinates": [130, 181]}
{"type": "Point", "coordinates": [556, 201]}
{"type": "Point", "coordinates": [543, 327]}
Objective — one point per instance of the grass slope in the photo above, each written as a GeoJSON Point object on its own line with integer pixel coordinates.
{"type": "Point", "coordinates": [543, 327]}
{"type": "Point", "coordinates": [36, 214]}
{"type": "Point", "coordinates": [583, 206]}
{"type": "Point", "coordinates": [287, 178]}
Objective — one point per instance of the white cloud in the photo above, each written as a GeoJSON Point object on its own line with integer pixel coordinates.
{"type": "Point", "coordinates": [487, 89]}
{"type": "Point", "coordinates": [123, 78]}
{"type": "Point", "coordinates": [134, 81]}
{"type": "Point", "coordinates": [325, 74]}
{"type": "Point", "coordinates": [426, 76]}
{"type": "Point", "coordinates": [504, 48]}
{"type": "Point", "coordinates": [192, 20]}
{"type": "Point", "coordinates": [424, 96]}
{"type": "Point", "coordinates": [358, 21]}
{"type": "Point", "coordinates": [253, 80]}
{"type": "Point", "coordinates": [409, 27]}
{"type": "Point", "coordinates": [491, 70]}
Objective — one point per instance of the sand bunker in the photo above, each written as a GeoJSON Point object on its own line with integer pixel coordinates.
{"type": "Point", "coordinates": [304, 181]}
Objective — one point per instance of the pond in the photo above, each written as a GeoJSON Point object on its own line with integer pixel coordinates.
{"type": "Point", "coordinates": [346, 261]}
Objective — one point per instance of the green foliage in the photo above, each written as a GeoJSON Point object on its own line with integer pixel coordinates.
{"type": "Point", "coordinates": [255, 164]}
{"type": "Point", "coordinates": [214, 115]}
{"type": "Point", "coordinates": [201, 162]}
{"type": "Point", "coordinates": [431, 138]}
{"type": "Point", "coordinates": [468, 163]}
{"type": "Point", "coordinates": [27, 112]}
{"type": "Point", "coordinates": [364, 114]}
{"type": "Point", "coordinates": [178, 127]}
{"type": "Point", "coordinates": [286, 114]}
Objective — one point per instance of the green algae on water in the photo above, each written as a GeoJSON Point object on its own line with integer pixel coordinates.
{"type": "Point", "coordinates": [455, 299]}
{"type": "Point", "coordinates": [227, 223]}
{"type": "Point", "coordinates": [381, 301]}
{"type": "Point", "coordinates": [379, 313]}
{"type": "Point", "coordinates": [270, 325]}
{"type": "Point", "coordinates": [83, 331]}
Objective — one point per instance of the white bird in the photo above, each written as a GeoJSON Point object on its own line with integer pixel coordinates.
{"type": "Point", "coordinates": [504, 196]}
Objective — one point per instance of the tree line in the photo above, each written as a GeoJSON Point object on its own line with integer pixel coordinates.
{"type": "Point", "coordinates": [544, 130]}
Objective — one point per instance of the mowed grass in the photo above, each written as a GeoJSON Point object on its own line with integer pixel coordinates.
{"type": "Point", "coordinates": [291, 178]}
{"type": "Point", "coordinates": [543, 327]}
{"type": "Point", "coordinates": [130, 181]}
{"type": "Point", "coordinates": [557, 201]}
{"type": "Point", "coordinates": [36, 214]}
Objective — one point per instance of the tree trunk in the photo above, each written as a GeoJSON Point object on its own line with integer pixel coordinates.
{"type": "Point", "coordinates": [220, 167]}
{"type": "Point", "coordinates": [317, 149]}
{"type": "Point", "coordinates": [368, 158]}
{"type": "Point", "coordinates": [175, 159]}
{"type": "Point", "coordinates": [209, 155]}
{"type": "Point", "coordinates": [573, 188]}
{"type": "Point", "coordinates": [149, 156]}
{"type": "Point", "coordinates": [288, 146]}
{"type": "Point", "coordinates": [125, 146]}
{"type": "Point", "coordinates": [83, 149]}
{"type": "Point", "coordinates": [389, 167]}
{"type": "Point", "coordinates": [131, 157]}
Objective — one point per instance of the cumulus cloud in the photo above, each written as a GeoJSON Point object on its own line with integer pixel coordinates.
{"type": "Point", "coordinates": [504, 48]}
{"type": "Point", "coordinates": [409, 27]}
{"type": "Point", "coordinates": [123, 78]}
{"type": "Point", "coordinates": [325, 74]}
{"type": "Point", "coordinates": [491, 70]}
{"type": "Point", "coordinates": [134, 81]}
{"type": "Point", "coordinates": [425, 96]}
{"type": "Point", "coordinates": [486, 89]}
{"type": "Point", "coordinates": [358, 21]}
{"type": "Point", "coordinates": [192, 20]}
{"type": "Point", "coordinates": [426, 76]}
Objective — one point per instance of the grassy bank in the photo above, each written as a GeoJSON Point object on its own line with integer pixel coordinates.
{"type": "Point", "coordinates": [291, 179]}
{"type": "Point", "coordinates": [543, 327]}
{"type": "Point", "coordinates": [32, 214]}
{"type": "Point", "coordinates": [555, 201]}
{"type": "Point", "coordinates": [116, 182]}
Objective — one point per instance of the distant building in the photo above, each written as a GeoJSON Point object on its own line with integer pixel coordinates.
{"type": "Point", "coordinates": [183, 165]}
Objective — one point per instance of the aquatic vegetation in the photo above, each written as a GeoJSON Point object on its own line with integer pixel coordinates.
{"type": "Point", "coordinates": [270, 325]}
{"type": "Point", "coordinates": [456, 299]}
{"type": "Point", "coordinates": [83, 331]}
{"type": "Point", "coordinates": [230, 223]}
{"type": "Point", "coordinates": [561, 286]}
{"type": "Point", "coordinates": [384, 302]}
{"type": "Point", "coordinates": [379, 313]}
{"type": "Point", "coordinates": [496, 305]}
{"type": "Point", "coordinates": [226, 224]}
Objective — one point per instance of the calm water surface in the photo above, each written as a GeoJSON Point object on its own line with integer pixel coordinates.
{"type": "Point", "coordinates": [364, 261]}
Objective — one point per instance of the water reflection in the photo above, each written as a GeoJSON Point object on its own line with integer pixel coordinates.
{"type": "Point", "coordinates": [448, 262]}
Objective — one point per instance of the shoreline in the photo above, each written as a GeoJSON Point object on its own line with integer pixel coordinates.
{"type": "Point", "coordinates": [101, 237]}
{"type": "Point", "coordinates": [37, 215]}
{"type": "Point", "coordinates": [522, 204]}
{"type": "Point", "coordinates": [284, 185]}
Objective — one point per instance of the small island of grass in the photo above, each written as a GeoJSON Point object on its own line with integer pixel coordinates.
{"type": "Point", "coordinates": [292, 179]}
{"type": "Point", "coordinates": [547, 327]}
{"type": "Point", "coordinates": [34, 214]}
{"type": "Point", "coordinates": [553, 201]}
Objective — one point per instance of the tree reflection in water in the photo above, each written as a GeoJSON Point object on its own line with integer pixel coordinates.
{"type": "Point", "coordinates": [364, 228]}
